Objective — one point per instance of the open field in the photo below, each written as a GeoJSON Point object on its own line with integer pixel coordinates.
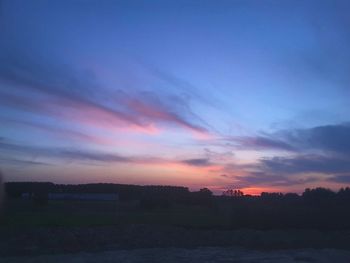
{"type": "Point", "coordinates": [90, 213]}
{"type": "Point", "coordinates": [30, 241]}
{"type": "Point", "coordinates": [129, 233]}
{"type": "Point", "coordinates": [175, 255]}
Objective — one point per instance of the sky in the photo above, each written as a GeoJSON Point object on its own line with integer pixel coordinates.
{"type": "Point", "coordinates": [250, 95]}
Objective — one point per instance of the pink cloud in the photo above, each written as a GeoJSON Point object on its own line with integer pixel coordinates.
{"type": "Point", "coordinates": [95, 115]}
{"type": "Point", "coordinates": [154, 112]}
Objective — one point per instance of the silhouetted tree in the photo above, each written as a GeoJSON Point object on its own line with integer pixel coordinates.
{"type": "Point", "coordinates": [291, 197]}
{"type": "Point", "coordinates": [318, 194]}
{"type": "Point", "coordinates": [344, 194]}
{"type": "Point", "coordinates": [233, 193]}
{"type": "Point", "coordinates": [205, 192]}
{"type": "Point", "coordinates": [271, 196]}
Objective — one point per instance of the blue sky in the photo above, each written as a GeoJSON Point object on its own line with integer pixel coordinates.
{"type": "Point", "coordinates": [243, 94]}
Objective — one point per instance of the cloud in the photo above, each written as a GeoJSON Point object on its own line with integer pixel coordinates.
{"type": "Point", "coordinates": [197, 162]}
{"type": "Point", "coordinates": [65, 133]}
{"type": "Point", "coordinates": [328, 138]}
{"type": "Point", "coordinates": [225, 156]}
{"type": "Point", "coordinates": [334, 139]}
{"type": "Point", "coordinates": [67, 154]}
{"type": "Point", "coordinates": [64, 93]}
{"type": "Point", "coordinates": [61, 153]}
{"type": "Point", "coordinates": [322, 149]}
{"type": "Point", "coordinates": [150, 107]}
{"type": "Point", "coordinates": [319, 153]}
{"type": "Point", "coordinates": [261, 143]}
{"type": "Point", "coordinates": [93, 156]}
{"type": "Point", "coordinates": [20, 162]}
{"type": "Point", "coordinates": [262, 178]}
{"type": "Point", "coordinates": [30, 154]}
{"type": "Point", "coordinates": [344, 179]}
{"type": "Point", "coordinates": [306, 164]}
{"type": "Point", "coordinates": [55, 91]}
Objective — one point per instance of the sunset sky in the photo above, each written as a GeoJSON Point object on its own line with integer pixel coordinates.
{"type": "Point", "coordinates": [251, 95]}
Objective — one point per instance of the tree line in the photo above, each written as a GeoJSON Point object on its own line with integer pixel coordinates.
{"type": "Point", "coordinates": [319, 208]}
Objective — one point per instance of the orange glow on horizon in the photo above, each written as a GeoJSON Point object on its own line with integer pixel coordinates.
{"type": "Point", "coordinates": [257, 190]}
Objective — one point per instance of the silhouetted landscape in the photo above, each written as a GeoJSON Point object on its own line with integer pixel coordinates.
{"type": "Point", "coordinates": [174, 131]}
{"type": "Point", "coordinates": [35, 222]}
{"type": "Point", "coordinates": [318, 208]}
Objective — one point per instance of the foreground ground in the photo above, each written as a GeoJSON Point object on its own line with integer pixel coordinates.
{"type": "Point", "coordinates": [175, 255]}
{"type": "Point", "coordinates": [34, 241]}
{"type": "Point", "coordinates": [103, 232]}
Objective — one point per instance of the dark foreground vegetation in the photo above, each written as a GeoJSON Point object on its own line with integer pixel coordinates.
{"type": "Point", "coordinates": [317, 208]}
{"type": "Point", "coordinates": [61, 240]}
{"type": "Point", "coordinates": [165, 216]}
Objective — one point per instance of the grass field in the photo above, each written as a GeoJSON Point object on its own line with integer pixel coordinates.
{"type": "Point", "coordinates": [89, 213]}
{"type": "Point", "coordinates": [67, 227]}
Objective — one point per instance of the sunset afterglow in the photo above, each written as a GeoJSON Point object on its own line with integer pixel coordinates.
{"type": "Point", "coordinates": [184, 93]}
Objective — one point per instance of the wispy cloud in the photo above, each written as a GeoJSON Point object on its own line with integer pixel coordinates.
{"type": "Point", "coordinates": [306, 164]}
{"type": "Point", "coordinates": [20, 162]}
{"type": "Point", "coordinates": [334, 139]}
{"type": "Point", "coordinates": [263, 179]}
{"type": "Point", "coordinates": [32, 154]}
{"type": "Point", "coordinates": [72, 96]}
{"type": "Point", "coordinates": [149, 107]}
{"type": "Point", "coordinates": [343, 179]}
{"type": "Point", "coordinates": [259, 143]}
{"type": "Point", "coordinates": [66, 154]}
{"type": "Point", "coordinates": [61, 133]}
{"type": "Point", "coordinates": [318, 154]}
{"type": "Point", "coordinates": [197, 162]}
